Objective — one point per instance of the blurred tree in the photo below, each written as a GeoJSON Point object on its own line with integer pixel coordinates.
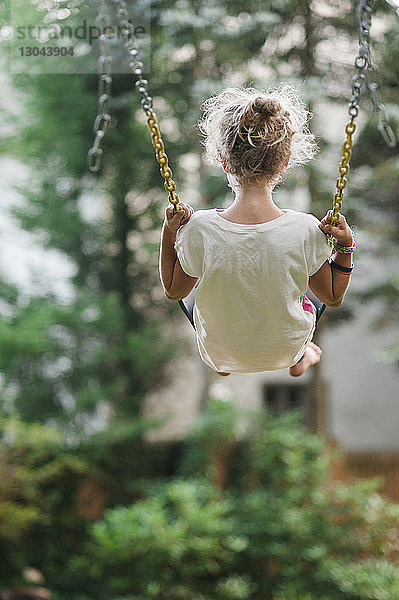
{"type": "Point", "coordinates": [71, 357]}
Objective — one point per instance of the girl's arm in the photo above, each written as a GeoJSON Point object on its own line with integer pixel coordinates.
{"type": "Point", "coordinates": [176, 283]}
{"type": "Point", "coordinates": [329, 284]}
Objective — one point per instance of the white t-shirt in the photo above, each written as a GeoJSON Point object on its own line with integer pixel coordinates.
{"type": "Point", "coordinates": [248, 312]}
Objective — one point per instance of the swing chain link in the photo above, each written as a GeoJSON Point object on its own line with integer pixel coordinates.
{"type": "Point", "coordinates": [136, 67]}
{"type": "Point", "coordinates": [366, 71]}
{"type": "Point", "coordinates": [102, 121]}
{"type": "Point", "coordinates": [373, 81]}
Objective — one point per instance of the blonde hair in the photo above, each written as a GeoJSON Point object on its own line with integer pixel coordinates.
{"type": "Point", "coordinates": [254, 133]}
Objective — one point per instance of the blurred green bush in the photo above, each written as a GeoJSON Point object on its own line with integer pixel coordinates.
{"type": "Point", "coordinates": [276, 529]}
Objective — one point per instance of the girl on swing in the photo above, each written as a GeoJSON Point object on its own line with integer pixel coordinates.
{"type": "Point", "coordinates": [253, 263]}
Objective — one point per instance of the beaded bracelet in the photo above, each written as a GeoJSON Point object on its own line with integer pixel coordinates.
{"type": "Point", "coordinates": [344, 249]}
{"type": "Point", "coordinates": [340, 268]}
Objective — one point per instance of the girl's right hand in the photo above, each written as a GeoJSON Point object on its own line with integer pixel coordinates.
{"type": "Point", "coordinates": [341, 230]}
{"type": "Point", "coordinates": [173, 222]}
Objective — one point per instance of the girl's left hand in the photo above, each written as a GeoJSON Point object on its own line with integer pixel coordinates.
{"type": "Point", "coordinates": [173, 222]}
{"type": "Point", "coordinates": [341, 230]}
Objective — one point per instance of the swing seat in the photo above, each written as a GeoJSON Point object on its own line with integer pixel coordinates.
{"type": "Point", "coordinates": [187, 306]}
{"type": "Point", "coordinates": [318, 304]}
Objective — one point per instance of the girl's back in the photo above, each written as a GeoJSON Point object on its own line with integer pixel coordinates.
{"type": "Point", "coordinates": [251, 279]}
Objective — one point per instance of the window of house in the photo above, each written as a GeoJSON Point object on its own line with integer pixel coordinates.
{"type": "Point", "coordinates": [281, 397]}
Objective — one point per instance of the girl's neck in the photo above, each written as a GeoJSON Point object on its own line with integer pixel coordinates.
{"type": "Point", "coordinates": [253, 204]}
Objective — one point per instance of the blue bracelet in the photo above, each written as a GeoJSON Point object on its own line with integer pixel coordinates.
{"type": "Point", "coordinates": [343, 270]}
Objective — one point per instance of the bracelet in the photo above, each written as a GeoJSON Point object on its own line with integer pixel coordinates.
{"type": "Point", "coordinates": [344, 249]}
{"type": "Point", "coordinates": [341, 269]}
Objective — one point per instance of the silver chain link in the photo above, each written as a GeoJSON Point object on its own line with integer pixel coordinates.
{"type": "Point", "coordinates": [103, 118]}
{"type": "Point", "coordinates": [135, 66]}
{"type": "Point", "coordinates": [368, 71]}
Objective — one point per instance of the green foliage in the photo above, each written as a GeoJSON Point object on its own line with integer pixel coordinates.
{"type": "Point", "coordinates": [174, 545]}
{"type": "Point", "coordinates": [215, 428]}
{"type": "Point", "coordinates": [36, 477]}
{"type": "Point", "coordinates": [280, 531]}
{"type": "Point", "coordinates": [61, 361]}
{"type": "Point", "coordinates": [65, 358]}
{"type": "Point", "coordinates": [42, 474]}
{"type": "Point", "coordinates": [373, 579]}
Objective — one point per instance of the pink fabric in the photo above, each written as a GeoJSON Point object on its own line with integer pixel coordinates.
{"type": "Point", "coordinates": [307, 305]}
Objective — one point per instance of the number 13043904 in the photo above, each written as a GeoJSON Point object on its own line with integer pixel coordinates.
{"type": "Point", "coordinates": [45, 51]}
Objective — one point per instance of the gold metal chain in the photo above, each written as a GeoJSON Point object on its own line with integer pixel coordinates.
{"type": "Point", "coordinates": [343, 170]}
{"type": "Point", "coordinates": [136, 67]}
{"type": "Point", "coordinates": [162, 157]}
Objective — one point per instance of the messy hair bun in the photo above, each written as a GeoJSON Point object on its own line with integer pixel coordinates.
{"type": "Point", "coordinates": [253, 134]}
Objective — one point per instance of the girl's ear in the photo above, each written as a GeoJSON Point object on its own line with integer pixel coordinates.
{"type": "Point", "coordinates": [225, 167]}
{"type": "Point", "coordinates": [285, 164]}
{"type": "Point", "coordinates": [232, 182]}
